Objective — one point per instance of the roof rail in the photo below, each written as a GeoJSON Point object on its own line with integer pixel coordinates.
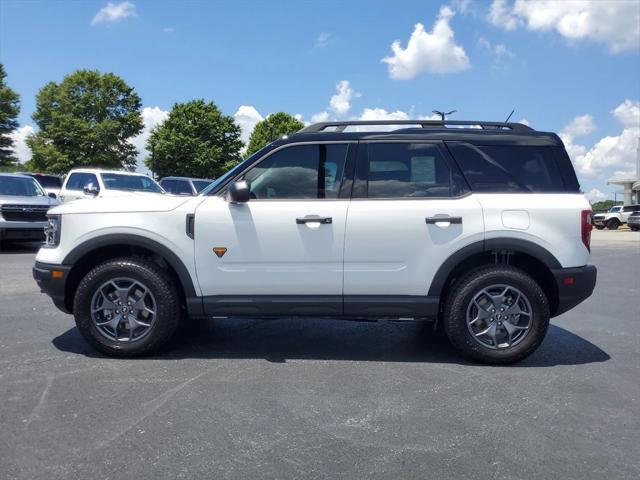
{"type": "Point", "coordinates": [341, 126]}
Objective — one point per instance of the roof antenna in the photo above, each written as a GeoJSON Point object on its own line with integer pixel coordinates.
{"type": "Point", "coordinates": [443, 114]}
{"type": "Point", "coordinates": [507, 120]}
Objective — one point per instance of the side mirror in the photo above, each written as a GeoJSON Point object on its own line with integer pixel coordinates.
{"type": "Point", "coordinates": [52, 195]}
{"type": "Point", "coordinates": [91, 189]}
{"type": "Point", "coordinates": [238, 192]}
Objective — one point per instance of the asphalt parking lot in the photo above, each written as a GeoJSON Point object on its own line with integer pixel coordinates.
{"type": "Point", "coordinates": [323, 398]}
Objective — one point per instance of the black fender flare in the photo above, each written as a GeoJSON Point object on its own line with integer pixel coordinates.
{"type": "Point", "coordinates": [511, 244]}
{"type": "Point", "coordinates": [126, 239]}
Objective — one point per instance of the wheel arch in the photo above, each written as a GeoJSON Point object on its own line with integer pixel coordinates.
{"type": "Point", "coordinates": [530, 257]}
{"type": "Point", "coordinates": [97, 250]}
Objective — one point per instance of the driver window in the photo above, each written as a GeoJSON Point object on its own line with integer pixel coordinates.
{"type": "Point", "coordinates": [300, 171]}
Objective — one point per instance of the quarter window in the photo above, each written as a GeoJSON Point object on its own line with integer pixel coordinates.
{"type": "Point", "coordinates": [414, 170]}
{"type": "Point", "coordinates": [508, 168]}
{"type": "Point", "coordinates": [298, 172]}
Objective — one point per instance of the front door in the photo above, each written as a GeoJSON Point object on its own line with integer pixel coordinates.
{"type": "Point", "coordinates": [282, 251]}
{"type": "Point", "coordinates": [410, 211]}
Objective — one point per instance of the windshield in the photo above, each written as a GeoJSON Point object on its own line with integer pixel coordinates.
{"type": "Point", "coordinates": [48, 181]}
{"type": "Point", "coordinates": [138, 183]}
{"type": "Point", "coordinates": [614, 209]}
{"type": "Point", "coordinates": [20, 187]}
{"type": "Point", "coordinates": [201, 184]}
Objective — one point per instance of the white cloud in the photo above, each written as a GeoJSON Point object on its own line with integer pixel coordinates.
{"type": "Point", "coordinates": [580, 125]}
{"type": "Point", "coordinates": [319, 117]}
{"type": "Point", "coordinates": [340, 103]}
{"type": "Point", "coordinates": [613, 23]}
{"type": "Point", "coordinates": [20, 148]}
{"type": "Point", "coordinates": [382, 114]}
{"type": "Point", "coordinates": [322, 40]}
{"type": "Point", "coordinates": [432, 52]}
{"type": "Point", "coordinates": [247, 117]}
{"type": "Point", "coordinates": [168, 30]}
{"type": "Point", "coordinates": [151, 118]}
{"type": "Point", "coordinates": [114, 12]}
{"type": "Point", "coordinates": [524, 121]}
{"type": "Point", "coordinates": [595, 195]}
{"type": "Point", "coordinates": [628, 114]}
{"type": "Point", "coordinates": [610, 152]}
{"type": "Point", "coordinates": [501, 15]}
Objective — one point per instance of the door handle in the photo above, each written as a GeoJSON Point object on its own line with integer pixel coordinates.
{"type": "Point", "coordinates": [314, 219]}
{"type": "Point", "coordinates": [444, 219]}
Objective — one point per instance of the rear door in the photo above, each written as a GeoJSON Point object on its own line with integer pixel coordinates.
{"type": "Point", "coordinates": [410, 211]}
{"type": "Point", "coordinates": [281, 252]}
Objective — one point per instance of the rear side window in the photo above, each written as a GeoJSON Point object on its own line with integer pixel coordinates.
{"type": "Point", "coordinates": [408, 170]}
{"type": "Point", "coordinates": [182, 187]}
{"type": "Point", "coordinates": [78, 181]}
{"type": "Point", "coordinates": [508, 168]}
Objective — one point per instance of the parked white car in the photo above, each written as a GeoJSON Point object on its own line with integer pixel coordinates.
{"type": "Point", "coordinates": [483, 230]}
{"type": "Point", "coordinates": [615, 217]}
{"type": "Point", "coordinates": [91, 182]}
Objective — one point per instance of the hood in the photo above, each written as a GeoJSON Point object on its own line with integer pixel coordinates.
{"type": "Point", "coordinates": [20, 200]}
{"type": "Point", "coordinates": [123, 204]}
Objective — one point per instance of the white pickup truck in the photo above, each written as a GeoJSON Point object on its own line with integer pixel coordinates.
{"type": "Point", "coordinates": [615, 217]}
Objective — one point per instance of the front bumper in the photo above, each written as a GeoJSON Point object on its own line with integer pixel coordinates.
{"type": "Point", "coordinates": [574, 286]}
{"type": "Point", "coordinates": [22, 230]}
{"type": "Point", "coordinates": [53, 284]}
{"type": "Point", "coordinates": [598, 221]}
{"type": "Point", "coordinates": [633, 222]}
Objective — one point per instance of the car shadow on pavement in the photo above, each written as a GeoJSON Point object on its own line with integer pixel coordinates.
{"type": "Point", "coordinates": [19, 247]}
{"type": "Point", "coordinates": [280, 340]}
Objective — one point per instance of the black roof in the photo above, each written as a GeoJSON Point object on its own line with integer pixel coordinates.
{"type": "Point", "coordinates": [471, 131]}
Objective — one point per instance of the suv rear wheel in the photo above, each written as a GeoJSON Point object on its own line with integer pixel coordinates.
{"type": "Point", "coordinates": [127, 307]}
{"type": "Point", "coordinates": [496, 314]}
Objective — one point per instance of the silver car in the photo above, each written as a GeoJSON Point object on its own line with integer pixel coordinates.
{"type": "Point", "coordinates": [23, 208]}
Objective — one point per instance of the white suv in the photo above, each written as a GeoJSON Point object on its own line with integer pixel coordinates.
{"type": "Point", "coordinates": [483, 230]}
{"type": "Point", "coordinates": [84, 183]}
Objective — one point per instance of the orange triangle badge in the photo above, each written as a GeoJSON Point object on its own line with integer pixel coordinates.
{"type": "Point", "coordinates": [219, 251]}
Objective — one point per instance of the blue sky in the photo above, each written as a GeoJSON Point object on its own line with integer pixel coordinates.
{"type": "Point", "coordinates": [570, 67]}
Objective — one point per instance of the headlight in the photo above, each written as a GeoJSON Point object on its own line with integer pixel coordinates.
{"type": "Point", "coordinates": [52, 231]}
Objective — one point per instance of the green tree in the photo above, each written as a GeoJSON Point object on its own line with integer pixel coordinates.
{"type": "Point", "coordinates": [271, 128]}
{"type": "Point", "coordinates": [86, 120]}
{"type": "Point", "coordinates": [196, 140]}
{"type": "Point", "coordinates": [9, 109]}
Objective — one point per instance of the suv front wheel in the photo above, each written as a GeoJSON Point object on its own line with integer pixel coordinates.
{"type": "Point", "coordinates": [496, 314]}
{"type": "Point", "coordinates": [127, 307]}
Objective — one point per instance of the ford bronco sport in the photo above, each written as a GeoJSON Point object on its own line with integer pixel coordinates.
{"type": "Point", "coordinates": [479, 226]}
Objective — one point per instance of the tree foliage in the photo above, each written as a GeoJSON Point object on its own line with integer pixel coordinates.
{"type": "Point", "coordinates": [86, 120]}
{"type": "Point", "coordinates": [604, 204]}
{"type": "Point", "coordinates": [196, 140]}
{"type": "Point", "coordinates": [9, 109]}
{"type": "Point", "coordinates": [271, 128]}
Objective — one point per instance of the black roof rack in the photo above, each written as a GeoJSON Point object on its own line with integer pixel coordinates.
{"type": "Point", "coordinates": [341, 126]}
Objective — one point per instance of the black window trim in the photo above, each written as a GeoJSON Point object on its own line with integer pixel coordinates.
{"type": "Point", "coordinates": [360, 183]}
{"type": "Point", "coordinates": [344, 192]}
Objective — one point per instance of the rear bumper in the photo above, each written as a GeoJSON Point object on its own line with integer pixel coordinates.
{"type": "Point", "coordinates": [54, 286]}
{"type": "Point", "coordinates": [574, 286]}
{"type": "Point", "coordinates": [635, 222]}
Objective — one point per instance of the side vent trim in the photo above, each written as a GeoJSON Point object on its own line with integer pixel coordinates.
{"type": "Point", "coordinates": [191, 220]}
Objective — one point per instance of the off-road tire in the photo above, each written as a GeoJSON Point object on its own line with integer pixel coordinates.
{"type": "Point", "coordinates": [613, 224]}
{"type": "Point", "coordinates": [161, 285]}
{"type": "Point", "coordinates": [462, 293]}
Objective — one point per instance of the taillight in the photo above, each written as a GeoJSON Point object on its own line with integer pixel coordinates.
{"type": "Point", "coordinates": [586, 227]}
